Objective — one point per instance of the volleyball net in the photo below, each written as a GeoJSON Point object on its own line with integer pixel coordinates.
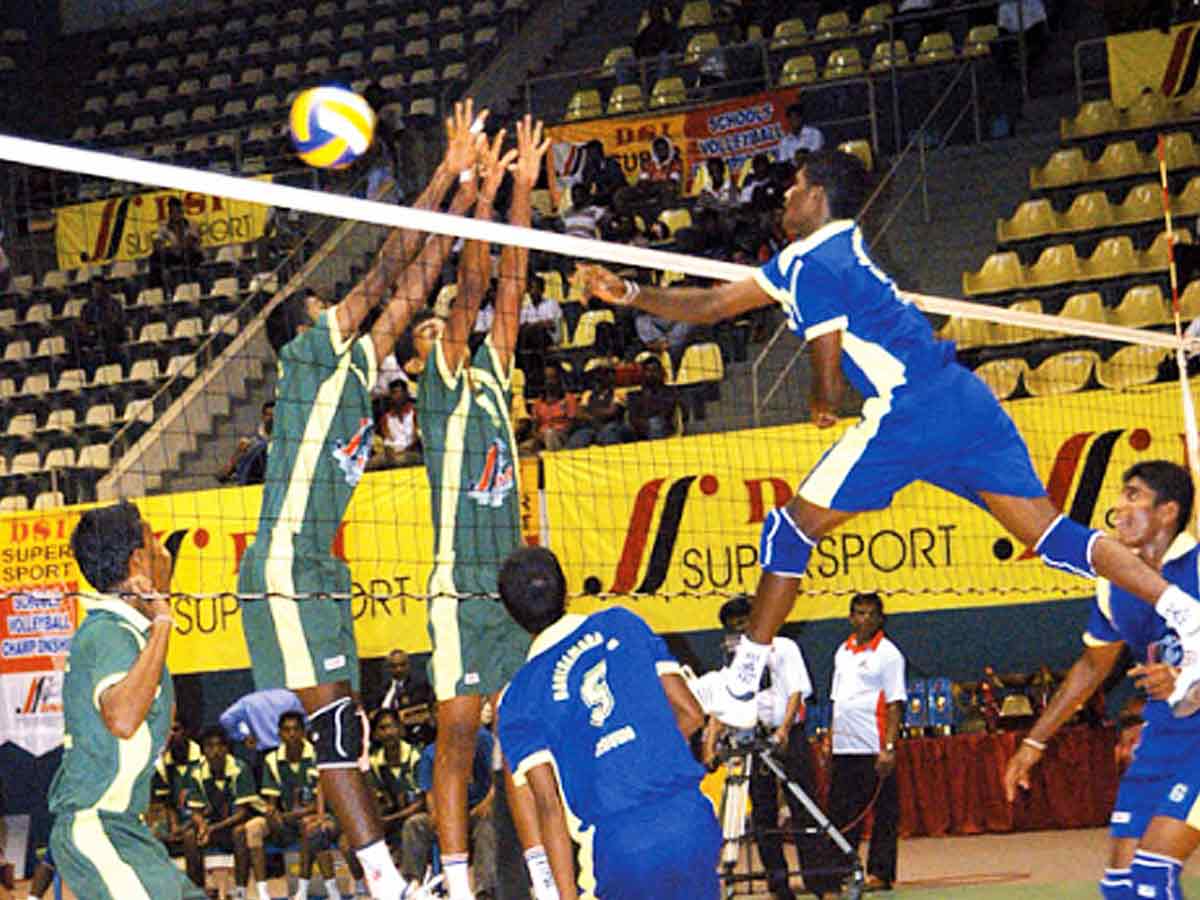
{"type": "Point", "coordinates": [645, 454]}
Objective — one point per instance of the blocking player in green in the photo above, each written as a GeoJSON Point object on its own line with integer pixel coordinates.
{"type": "Point", "coordinates": [463, 411]}
{"type": "Point", "coordinates": [118, 701]}
{"type": "Point", "coordinates": [296, 594]}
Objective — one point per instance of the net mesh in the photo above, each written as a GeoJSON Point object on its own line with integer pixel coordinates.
{"type": "Point", "coordinates": [644, 453]}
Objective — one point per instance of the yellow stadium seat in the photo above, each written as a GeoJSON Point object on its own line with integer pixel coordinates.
{"type": "Point", "coordinates": [696, 14]}
{"type": "Point", "coordinates": [1120, 159]}
{"type": "Point", "coordinates": [966, 333]}
{"type": "Point", "coordinates": [540, 200]}
{"type": "Point", "coordinates": [979, 39]}
{"type": "Point", "coordinates": [789, 33]}
{"type": "Point", "coordinates": [1180, 151]}
{"type": "Point", "coordinates": [874, 18]}
{"type": "Point", "coordinates": [798, 70]}
{"type": "Point", "coordinates": [1094, 117]}
{"type": "Point", "coordinates": [1063, 373]}
{"type": "Point", "coordinates": [1064, 167]}
{"type": "Point", "coordinates": [552, 282]}
{"type": "Point", "coordinates": [1141, 307]}
{"type": "Point", "coordinates": [1089, 212]}
{"type": "Point", "coordinates": [1187, 203]}
{"type": "Point", "coordinates": [625, 98]}
{"type": "Point", "coordinates": [701, 363]}
{"type": "Point", "coordinates": [668, 92]}
{"type": "Point", "coordinates": [1056, 265]}
{"type": "Point", "coordinates": [844, 62]}
{"type": "Point", "coordinates": [1003, 333]}
{"type": "Point", "coordinates": [676, 219]}
{"type": "Point", "coordinates": [1000, 272]}
{"type": "Point", "coordinates": [614, 56]}
{"type": "Point", "coordinates": [1087, 307]}
{"type": "Point", "coordinates": [1143, 203]}
{"type": "Point", "coordinates": [1154, 258]}
{"type": "Point", "coordinates": [1114, 257]}
{"type": "Point", "coordinates": [1003, 376]}
{"type": "Point", "coordinates": [832, 25]}
{"type": "Point", "coordinates": [1130, 366]}
{"type": "Point", "coordinates": [935, 48]}
{"type": "Point", "coordinates": [584, 105]}
{"type": "Point", "coordinates": [861, 149]}
{"type": "Point", "coordinates": [888, 55]}
{"type": "Point", "coordinates": [1149, 109]}
{"type": "Point", "coordinates": [1189, 301]}
{"type": "Point", "coordinates": [1033, 218]}
{"type": "Point", "coordinates": [699, 44]}
{"type": "Point", "coordinates": [585, 328]}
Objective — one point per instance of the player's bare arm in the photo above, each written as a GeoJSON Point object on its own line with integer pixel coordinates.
{"type": "Point", "coordinates": [700, 306]}
{"type": "Point", "coordinates": [1081, 682]}
{"type": "Point", "coordinates": [688, 714]}
{"type": "Point", "coordinates": [1156, 679]}
{"type": "Point", "coordinates": [827, 383]}
{"type": "Point", "coordinates": [475, 267]}
{"type": "Point", "coordinates": [553, 821]}
{"type": "Point", "coordinates": [514, 261]}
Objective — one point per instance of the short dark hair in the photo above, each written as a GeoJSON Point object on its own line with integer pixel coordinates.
{"type": "Point", "coordinates": [419, 318]}
{"type": "Point", "coordinates": [844, 178]}
{"type": "Point", "coordinates": [291, 715]}
{"type": "Point", "coordinates": [735, 608]}
{"type": "Point", "coordinates": [214, 731]}
{"type": "Point", "coordinates": [533, 588]}
{"type": "Point", "coordinates": [797, 107]}
{"type": "Point", "coordinates": [104, 540]}
{"type": "Point", "coordinates": [1169, 481]}
{"type": "Point", "coordinates": [270, 404]}
{"type": "Point", "coordinates": [285, 320]}
{"type": "Point", "coordinates": [379, 714]}
{"type": "Point", "coordinates": [869, 597]}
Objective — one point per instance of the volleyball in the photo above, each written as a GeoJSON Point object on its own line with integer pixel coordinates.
{"type": "Point", "coordinates": [331, 126]}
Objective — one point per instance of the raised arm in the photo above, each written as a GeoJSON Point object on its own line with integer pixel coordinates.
{"type": "Point", "coordinates": [700, 306]}
{"type": "Point", "coordinates": [125, 705]}
{"type": "Point", "coordinates": [514, 260]}
{"type": "Point", "coordinates": [475, 266]}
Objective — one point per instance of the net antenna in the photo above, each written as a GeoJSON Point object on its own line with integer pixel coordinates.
{"type": "Point", "coordinates": [40, 154]}
{"type": "Point", "coordinates": [1191, 439]}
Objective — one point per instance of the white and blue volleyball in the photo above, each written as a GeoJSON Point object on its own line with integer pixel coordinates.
{"type": "Point", "coordinates": [331, 126]}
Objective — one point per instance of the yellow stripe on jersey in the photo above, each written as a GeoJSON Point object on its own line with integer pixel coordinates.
{"type": "Point", "coordinates": [118, 876]}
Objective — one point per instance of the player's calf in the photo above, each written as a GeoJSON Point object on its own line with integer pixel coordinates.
{"type": "Point", "coordinates": [1117, 884]}
{"type": "Point", "coordinates": [1155, 877]}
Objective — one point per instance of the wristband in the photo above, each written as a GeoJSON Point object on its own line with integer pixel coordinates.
{"type": "Point", "coordinates": [1036, 745]}
{"type": "Point", "coordinates": [891, 747]}
{"type": "Point", "coordinates": [163, 617]}
{"type": "Point", "coordinates": [467, 174]}
{"type": "Point", "coordinates": [632, 289]}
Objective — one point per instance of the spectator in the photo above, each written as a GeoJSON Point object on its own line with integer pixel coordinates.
{"type": "Point", "coordinates": [398, 430]}
{"type": "Point", "coordinates": [602, 175]}
{"type": "Point", "coordinates": [719, 191]}
{"type": "Point", "coordinates": [167, 815]}
{"type": "Point", "coordinates": [220, 795]}
{"type": "Point", "coordinates": [253, 721]}
{"type": "Point", "coordinates": [868, 704]}
{"type": "Point", "coordinates": [392, 370]}
{"type": "Point", "coordinates": [553, 413]}
{"type": "Point", "coordinates": [248, 464]}
{"type": "Point", "coordinates": [659, 181]}
{"type": "Point", "coordinates": [657, 40]}
{"type": "Point", "coordinates": [394, 776]}
{"type": "Point", "coordinates": [758, 176]}
{"type": "Point", "coordinates": [540, 330]}
{"type": "Point", "coordinates": [601, 417]}
{"type": "Point", "coordinates": [801, 137]}
{"type": "Point", "coordinates": [409, 698]}
{"type": "Point", "coordinates": [176, 244]}
{"type": "Point", "coordinates": [584, 217]}
{"type": "Point", "coordinates": [102, 328]}
{"type": "Point", "coordinates": [653, 407]}
{"type": "Point", "coordinates": [419, 833]}
{"type": "Point", "coordinates": [658, 334]}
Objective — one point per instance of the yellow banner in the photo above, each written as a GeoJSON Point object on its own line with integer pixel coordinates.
{"type": "Point", "coordinates": [626, 139]}
{"type": "Point", "coordinates": [678, 521]}
{"type": "Point", "coordinates": [124, 227]}
{"type": "Point", "coordinates": [1166, 63]}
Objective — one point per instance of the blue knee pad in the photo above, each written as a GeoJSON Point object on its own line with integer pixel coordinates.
{"type": "Point", "coordinates": [1156, 877]}
{"type": "Point", "coordinates": [1117, 884]}
{"type": "Point", "coordinates": [783, 549]}
{"type": "Point", "coordinates": [1067, 545]}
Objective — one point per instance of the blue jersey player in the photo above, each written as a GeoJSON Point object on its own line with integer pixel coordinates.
{"type": "Point", "coordinates": [924, 418]}
{"type": "Point", "coordinates": [1154, 506]}
{"type": "Point", "coordinates": [601, 709]}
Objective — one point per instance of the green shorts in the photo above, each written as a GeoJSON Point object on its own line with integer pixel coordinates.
{"type": "Point", "coordinates": [298, 643]}
{"type": "Point", "coordinates": [105, 856]}
{"type": "Point", "coordinates": [477, 647]}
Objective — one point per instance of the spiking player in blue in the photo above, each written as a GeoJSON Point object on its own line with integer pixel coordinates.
{"type": "Point", "coordinates": [1151, 824]}
{"type": "Point", "coordinates": [924, 416]}
{"type": "Point", "coordinates": [601, 709]}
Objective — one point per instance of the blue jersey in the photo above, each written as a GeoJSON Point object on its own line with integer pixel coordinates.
{"type": "Point", "coordinates": [589, 702]}
{"type": "Point", "coordinates": [481, 768]}
{"type": "Point", "coordinates": [827, 283]}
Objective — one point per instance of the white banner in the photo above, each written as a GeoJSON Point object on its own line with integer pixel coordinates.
{"type": "Point", "coordinates": [31, 710]}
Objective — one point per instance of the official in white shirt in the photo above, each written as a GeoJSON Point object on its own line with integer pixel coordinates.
{"type": "Point", "coordinates": [786, 685]}
{"type": "Point", "coordinates": [868, 703]}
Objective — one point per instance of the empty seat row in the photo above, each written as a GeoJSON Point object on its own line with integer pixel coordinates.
{"type": "Point", "coordinates": [1119, 159]}
{"type": "Point", "coordinates": [1073, 370]}
{"type": "Point", "coordinates": [1094, 211]}
{"type": "Point", "coordinates": [1150, 110]}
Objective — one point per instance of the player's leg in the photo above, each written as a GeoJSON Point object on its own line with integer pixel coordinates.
{"type": "Point", "coordinates": [253, 839]}
{"type": "Point", "coordinates": [454, 753]}
{"type": "Point", "coordinates": [1167, 843]}
{"type": "Point", "coordinates": [1117, 883]}
{"type": "Point", "coordinates": [193, 856]}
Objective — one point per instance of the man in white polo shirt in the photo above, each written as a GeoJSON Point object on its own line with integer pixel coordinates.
{"type": "Point", "coordinates": [868, 703]}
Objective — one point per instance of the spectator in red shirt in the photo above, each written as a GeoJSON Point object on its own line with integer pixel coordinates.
{"type": "Point", "coordinates": [658, 182]}
{"type": "Point", "coordinates": [553, 413]}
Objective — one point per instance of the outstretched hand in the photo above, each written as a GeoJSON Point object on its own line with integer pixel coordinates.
{"type": "Point", "coordinates": [464, 136]}
{"type": "Point", "coordinates": [531, 147]}
{"type": "Point", "coordinates": [494, 163]}
{"type": "Point", "coordinates": [599, 282]}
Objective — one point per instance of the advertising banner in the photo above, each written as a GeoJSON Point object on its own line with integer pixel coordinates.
{"type": "Point", "coordinates": [1165, 62]}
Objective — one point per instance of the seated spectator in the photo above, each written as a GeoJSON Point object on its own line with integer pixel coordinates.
{"type": "Point", "coordinates": [176, 244]}
{"type": "Point", "coordinates": [801, 137]}
{"type": "Point", "coordinates": [657, 40]}
{"type": "Point", "coordinates": [220, 795]}
{"type": "Point", "coordinates": [419, 832]}
{"type": "Point", "coordinates": [758, 176]}
{"type": "Point", "coordinates": [653, 407]}
{"type": "Point", "coordinates": [658, 184]}
{"type": "Point", "coordinates": [584, 217]}
{"type": "Point", "coordinates": [540, 331]}
{"type": "Point", "coordinates": [394, 776]}
{"type": "Point", "coordinates": [248, 464]}
{"type": "Point", "coordinates": [401, 441]}
{"type": "Point", "coordinates": [658, 334]}
{"type": "Point", "coordinates": [601, 417]}
{"type": "Point", "coordinates": [553, 413]}
{"type": "Point", "coordinates": [411, 699]}
{"type": "Point", "coordinates": [719, 191]}
{"type": "Point", "coordinates": [102, 328]}
{"type": "Point", "coordinates": [601, 175]}
{"type": "Point", "coordinates": [167, 815]}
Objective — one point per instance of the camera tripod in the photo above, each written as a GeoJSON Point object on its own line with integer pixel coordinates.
{"type": "Point", "coordinates": [738, 751]}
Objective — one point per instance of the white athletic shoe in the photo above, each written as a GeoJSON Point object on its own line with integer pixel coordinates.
{"type": "Point", "coordinates": [1185, 699]}
{"type": "Point", "coordinates": [716, 696]}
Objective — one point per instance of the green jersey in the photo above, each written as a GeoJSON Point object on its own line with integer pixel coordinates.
{"type": "Point", "coordinates": [396, 784]}
{"type": "Point", "coordinates": [100, 771]}
{"type": "Point", "coordinates": [470, 458]}
{"type": "Point", "coordinates": [214, 793]}
{"type": "Point", "coordinates": [168, 785]}
{"type": "Point", "coordinates": [292, 785]}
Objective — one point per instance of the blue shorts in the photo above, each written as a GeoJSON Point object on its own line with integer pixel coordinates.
{"type": "Point", "coordinates": [1162, 780]}
{"type": "Point", "coordinates": [666, 850]}
{"type": "Point", "coordinates": [949, 431]}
